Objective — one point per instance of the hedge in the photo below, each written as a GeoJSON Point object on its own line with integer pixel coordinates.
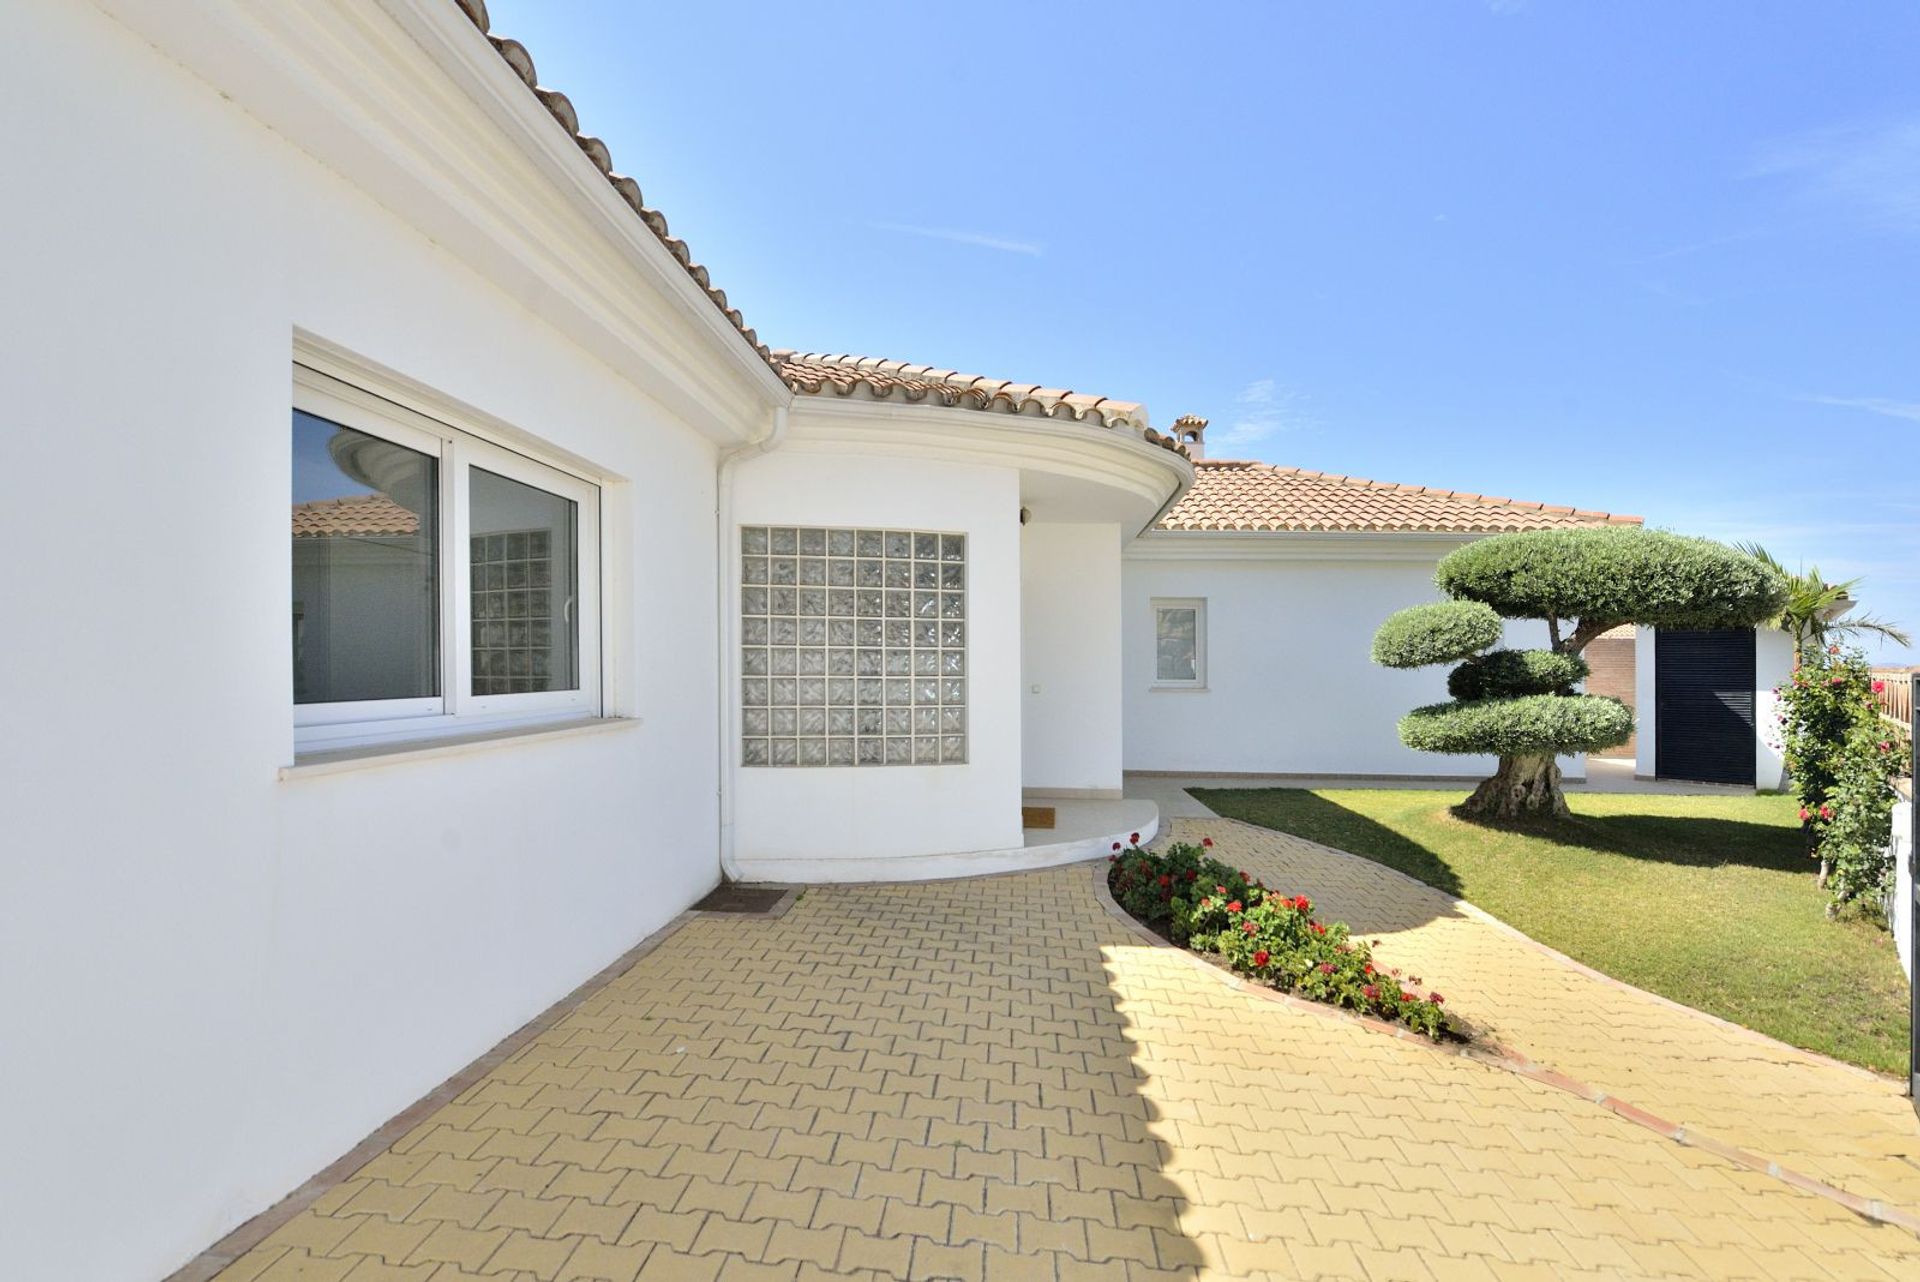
{"type": "Point", "coordinates": [1528, 725]}
{"type": "Point", "coordinates": [1505, 673]}
{"type": "Point", "coordinates": [1614, 574]}
{"type": "Point", "coordinates": [1436, 633]}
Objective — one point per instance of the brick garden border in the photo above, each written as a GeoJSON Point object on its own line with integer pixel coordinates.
{"type": "Point", "coordinates": [1498, 1057]}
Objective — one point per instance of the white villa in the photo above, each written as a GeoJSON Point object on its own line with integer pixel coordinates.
{"type": "Point", "coordinates": [593, 599]}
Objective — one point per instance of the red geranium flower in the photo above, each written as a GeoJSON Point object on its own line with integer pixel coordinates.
{"type": "Point", "coordinates": [1826, 812]}
{"type": "Point", "coordinates": [1135, 839]}
{"type": "Point", "coordinates": [1234, 907]}
{"type": "Point", "coordinates": [1207, 842]}
{"type": "Point", "coordinates": [1436, 999]}
{"type": "Point", "coordinates": [1248, 926]}
{"type": "Point", "coordinates": [1116, 845]}
{"type": "Point", "coordinates": [1367, 969]}
{"type": "Point", "coordinates": [1326, 968]}
{"type": "Point", "coordinates": [1165, 880]}
{"type": "Point", "coordinates": [1878, 686]}
{"type": "Point", "coordinates": [1805, 814]}
{"type": "Point", "coordinates": [1317, 928]}
{"type": "Point", "coordinates": [1371, 993]}
{"type": "Point", "coordinates": [1260, 958]}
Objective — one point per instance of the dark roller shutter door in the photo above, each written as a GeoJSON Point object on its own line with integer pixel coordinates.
{"type": "Point", "coordinates": [1703, 721]}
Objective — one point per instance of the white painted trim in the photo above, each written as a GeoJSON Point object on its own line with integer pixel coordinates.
{"type": "Point", "coordinates": [413, 105]}
{"type": "Point", "coordinates": [1114, 457]}
{"type": "Point", "coordinates": [1287, 545]}
{"type": "Point", "coordinates": [452, 39]}
{"type": "Point", "coordinates": [371, 756]}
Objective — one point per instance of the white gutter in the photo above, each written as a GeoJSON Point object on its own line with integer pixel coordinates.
{"type": "Point", "coordinates": [724, 559]}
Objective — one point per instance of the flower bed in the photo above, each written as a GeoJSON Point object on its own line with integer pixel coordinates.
{"type": "Point", "coordinates": [1202, 904]}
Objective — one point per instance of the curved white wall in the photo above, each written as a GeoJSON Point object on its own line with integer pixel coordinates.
{"type": "Point", "coordinates": [822, 822]}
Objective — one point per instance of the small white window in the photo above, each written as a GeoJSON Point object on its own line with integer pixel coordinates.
{"type": "Point", "coordinates": [1180, 643]}
{"type": "Point", "coordinates": [440, 582]}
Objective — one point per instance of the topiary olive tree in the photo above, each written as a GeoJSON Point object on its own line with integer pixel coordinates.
{"type": "Point", "coordinates": [1521, 705]}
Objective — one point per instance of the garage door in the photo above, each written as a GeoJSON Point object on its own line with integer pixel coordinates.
{"type": "Point", "coordinates": [1703, 722]}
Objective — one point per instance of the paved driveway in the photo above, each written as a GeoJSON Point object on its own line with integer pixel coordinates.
{"type": "Point", "coordinates": [997, 1079]}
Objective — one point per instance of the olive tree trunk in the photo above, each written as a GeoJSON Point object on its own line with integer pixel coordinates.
{"type": "Point", "coordinates": [1523, 787]}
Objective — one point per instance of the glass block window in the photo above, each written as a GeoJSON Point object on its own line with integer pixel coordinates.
{"type": "Point", "coordinates": [853, 647]}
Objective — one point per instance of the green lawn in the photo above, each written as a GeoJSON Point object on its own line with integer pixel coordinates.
{"type": "Point", "coordinates": [1707, 900]}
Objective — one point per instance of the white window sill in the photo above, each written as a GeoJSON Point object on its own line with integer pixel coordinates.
{"type": "Point", "coordinates": [333, 761]}
{"type": "Point", "coordinates": [1169, 688]}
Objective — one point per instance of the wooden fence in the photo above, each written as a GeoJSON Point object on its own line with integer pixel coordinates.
{"type": "Point", "coordinates": [1897, 687]}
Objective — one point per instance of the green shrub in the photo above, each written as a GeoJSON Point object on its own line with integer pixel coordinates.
{"type": "Point", "coordinates": [1505, 673]}
{"type": "Point", "coordinates": [1842, 759]}
{"type": "Point", "coordinates": [1437, 633]}
{"type": "Point", "coordinates": [1270, 938]}
{"type": "Point", "coordinates": [1529, 725]}
{"type": "Point", "coordinates": [1614, 574]}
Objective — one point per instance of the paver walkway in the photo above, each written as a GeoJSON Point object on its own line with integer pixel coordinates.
{"type": "Point", "coordinates": [1842, 1125]}
{"type": "Point", "coordinates": [996, 1079]}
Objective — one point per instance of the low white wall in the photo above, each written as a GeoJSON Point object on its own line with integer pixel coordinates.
{"type": "Point", "coordinates": [1900, 910]}
{"type": "Point", "coordinates": [1291, 686]}
{"type": "Point", "coordinates": [215, 982]}
{"type": "Point", "coordinates": [787, 814]}
{"type": "Point", "coordinates": [1070, 657]}
{"type": "Point", "coordinates": [1772, 666]}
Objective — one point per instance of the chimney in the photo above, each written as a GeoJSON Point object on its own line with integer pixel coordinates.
{"type": "Point", "coordinates": [1191, 431]}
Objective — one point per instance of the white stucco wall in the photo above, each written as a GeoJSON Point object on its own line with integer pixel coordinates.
{"type": "Point", "coordinates": [1291, 687]}
{"type": "Point", "coordinates": [832, 817]}
{"type": "Point", "coordinates": [1772, 665]}
{"type": "Point", "coordinates": [1070, 605]}
{"type": "Point", "coordinates": [215, 982]}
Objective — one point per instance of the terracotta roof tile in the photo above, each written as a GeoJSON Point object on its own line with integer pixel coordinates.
{"type": "Point", "coordinates": [875, 378]}
{"type": "Point", "coordinates": [1230, 495]}
{"type": "Point", "coordinates": [515, 55]}
{"type": "Point", "coordinates": [362, 515]}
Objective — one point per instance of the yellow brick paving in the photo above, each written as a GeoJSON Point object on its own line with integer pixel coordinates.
{"type": "Point", "coordinates": [994, 1079]}
{"type": "Point", "coordinates": [1837, 1124]}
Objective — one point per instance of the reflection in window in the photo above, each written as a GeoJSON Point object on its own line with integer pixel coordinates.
{"type": "Point", "coordinates": [1177, 644]}
{"type": "Point", "coordinates": [365, 578]}
{"type": "Point", "coordinates": [524, 583]}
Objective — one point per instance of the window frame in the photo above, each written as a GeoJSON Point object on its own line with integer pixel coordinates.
{"type": "Point", "coordinates": [458, 448]}
{"type": "Point", "coordinates": [1198, 604]}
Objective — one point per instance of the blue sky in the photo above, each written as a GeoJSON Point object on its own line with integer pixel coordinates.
{"type": "Point", "coordinates": [1648, 257]}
